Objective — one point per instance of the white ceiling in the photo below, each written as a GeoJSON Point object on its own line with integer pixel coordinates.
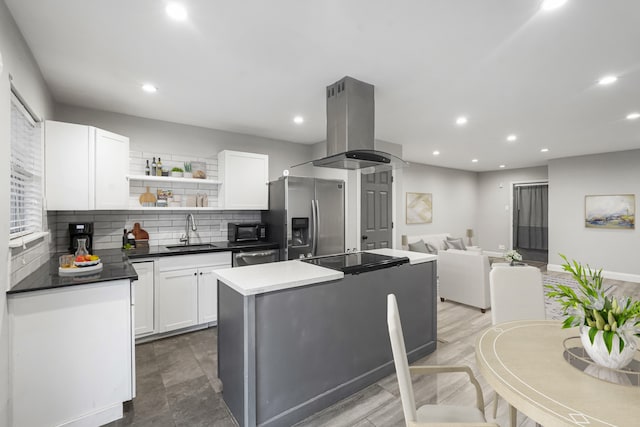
{"type": "Point", "coordinates": [250, 66]}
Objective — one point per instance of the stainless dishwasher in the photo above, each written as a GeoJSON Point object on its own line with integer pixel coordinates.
{"type": "Point", "coordinates": [263, 256]}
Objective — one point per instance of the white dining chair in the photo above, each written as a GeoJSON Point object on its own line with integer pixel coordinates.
{"type": "Point", "coordinates": [429, 415]}
{"type": "Point", "coordinates": [517, 293]}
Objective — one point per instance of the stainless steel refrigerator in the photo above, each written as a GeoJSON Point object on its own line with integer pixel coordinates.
{"type": "Point", "coordinates": [306, 216]}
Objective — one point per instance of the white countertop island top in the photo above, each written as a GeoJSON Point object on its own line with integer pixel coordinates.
{"type": "Point", "coordinates": [261, 278]}
{"type": "Point", "coordinates": [414, 257]}
{"type": "Point", "coordinates": [275, 276]}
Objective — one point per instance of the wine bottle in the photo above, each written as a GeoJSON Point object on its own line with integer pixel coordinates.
{"type": "Point", "coordinates": [153, 167]}
{"type": "Point", "coordinates": [147, 170]}
{"type": "Point", "coordinates": [159, 167]}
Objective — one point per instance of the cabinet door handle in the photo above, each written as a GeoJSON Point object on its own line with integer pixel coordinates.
{"type": "Point", "coordinates": [195, 274]}
{"type": "Point", "coordinates": [201, 273]}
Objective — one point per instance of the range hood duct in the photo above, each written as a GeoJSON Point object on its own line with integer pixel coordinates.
{"type": "Point", "coordinates": [350, 130]}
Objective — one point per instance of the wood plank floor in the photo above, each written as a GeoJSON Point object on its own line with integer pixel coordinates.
{"type": "Point", "coordinates": [178, 384]}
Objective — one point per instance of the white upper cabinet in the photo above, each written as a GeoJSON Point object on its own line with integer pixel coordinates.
{"type": "Point", "coordinates": [245, 178]}
{"type": "Point", "coordinates": [111, 170]}
{"type": "Point", "coordinates": [86, 168]}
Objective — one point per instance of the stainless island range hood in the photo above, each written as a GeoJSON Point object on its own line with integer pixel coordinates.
{"type": "Point", "coordinates": [350, 130]}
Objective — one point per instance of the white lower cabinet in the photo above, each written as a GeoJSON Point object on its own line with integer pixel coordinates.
{"type": "Point", "coordinates": [187, 289]}
{"type": "Point", "coordinates": [177, 299]}
{"type": "Point", "coordinates": [208, 294]}
{"type": "Point", "coordinates": [143, 289]}
{"type": "Point", "coordinates": [71, 352]}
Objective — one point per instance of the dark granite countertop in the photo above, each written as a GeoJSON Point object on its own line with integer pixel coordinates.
{"type": "Point", "coordinates": [158, 251]}
{"type": "Point", "coordinates": [116, 265]}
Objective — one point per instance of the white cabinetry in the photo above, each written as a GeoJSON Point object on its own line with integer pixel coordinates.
{"type": "Point", "coordinates": [177, 299]}
{"type": "Point", "coordinates": [208, 289]}
{"type": "Point", "coordinates": [187, 289]}
{"type": "Point", "coordinates": [144, 298]}
{"type": "Point", "coordinates": [71, 354]}
{"type": "Point", "coordinates": [86, 168]}
{"type": "Point", "coordinates": [245, 178]}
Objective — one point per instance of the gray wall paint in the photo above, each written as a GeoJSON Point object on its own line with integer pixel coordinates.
{"type": "Point", "coordinates": [571, 179]}
{"type": "Point", "coordinates": [493, 223]}
{"type": "Point", "coordinates": [158, 136]}
{"type": "Point", "coordinates": [18, 61]}
{"type": "Point", "coordinates": [454, 200]}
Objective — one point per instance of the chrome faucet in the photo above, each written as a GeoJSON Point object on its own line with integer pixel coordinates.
{"type": "Point", "coordinates": [186, 237]}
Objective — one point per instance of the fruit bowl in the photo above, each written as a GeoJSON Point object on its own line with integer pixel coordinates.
{"type": "Point", "coordinates": [86, 263]}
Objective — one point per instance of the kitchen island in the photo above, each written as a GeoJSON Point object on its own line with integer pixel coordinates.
{"type": "Point", "coordinates": [294, 337]}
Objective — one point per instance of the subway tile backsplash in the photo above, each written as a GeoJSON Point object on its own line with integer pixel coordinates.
{"type": "Point", "coordinates": [163, 228]}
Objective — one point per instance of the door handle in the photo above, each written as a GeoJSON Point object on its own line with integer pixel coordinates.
{"type": "Point", "coordinates": [365, 237]}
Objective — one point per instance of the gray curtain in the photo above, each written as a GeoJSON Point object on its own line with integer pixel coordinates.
{"type": "Point", "coordinates": [530, 226]}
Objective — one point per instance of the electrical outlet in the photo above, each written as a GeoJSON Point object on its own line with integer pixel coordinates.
{"type": "Point", "coordinates": [501, 247]}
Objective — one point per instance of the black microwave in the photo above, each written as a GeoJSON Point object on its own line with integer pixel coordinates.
{"type": "Point", "coordinates": [237, 232]}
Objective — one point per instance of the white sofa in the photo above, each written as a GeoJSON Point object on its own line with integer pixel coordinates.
{"type": "Point", "coordinates": [464, 277]}
{"type": "Point", "coordinates": [436, 240]}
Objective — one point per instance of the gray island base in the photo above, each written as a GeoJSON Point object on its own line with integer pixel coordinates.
{"type": "Point", "coordinates": [286, 354]}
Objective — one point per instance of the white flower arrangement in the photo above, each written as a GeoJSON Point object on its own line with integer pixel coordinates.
{"type": "Point", "coordinates": [591, 308]}
{"type": "Point", "coordinates": [512, 256]}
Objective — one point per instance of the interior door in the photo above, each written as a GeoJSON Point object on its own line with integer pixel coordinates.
{"type": "Point", "coordinates": [530, 221]}
{"type": "Point", "coordinates": [300, 195]}
{"type": "Point", "coordinates": [330, 215]}
{"type": "Point", "coordinates": [376, 225]}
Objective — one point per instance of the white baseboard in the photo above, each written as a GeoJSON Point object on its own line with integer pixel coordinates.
{"type": "Point", "coordinates": [626, 277]}
{"type": "Point", "coordinates": [97, 418]}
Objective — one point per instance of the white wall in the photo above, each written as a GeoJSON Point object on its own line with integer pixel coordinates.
{"type": "Point", "coordinates": [454, 195]}
{"type": "Point", "coordinates": [570, 180]}
{"type": "Point", "coordinates": [18, 62]}
{"type": "Point", "coordinates": [493, 225]}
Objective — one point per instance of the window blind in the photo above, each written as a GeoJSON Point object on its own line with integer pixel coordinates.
{"type": "Point", "coordinates": [26, 172]}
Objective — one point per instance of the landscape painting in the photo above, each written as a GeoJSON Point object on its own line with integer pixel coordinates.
{"type": "Point", "coordinates": [617, 211]}
{"type": "Point", "coordinates": [419, 208]}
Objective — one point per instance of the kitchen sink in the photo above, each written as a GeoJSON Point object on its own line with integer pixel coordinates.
{"type": "Point", "coordinates": [202, 246]}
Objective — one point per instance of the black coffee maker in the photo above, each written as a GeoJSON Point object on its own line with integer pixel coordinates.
{"type": "Point", "coordinates": [80, 230]}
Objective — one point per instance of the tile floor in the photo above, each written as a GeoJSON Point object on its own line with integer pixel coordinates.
{"type": "Point", "coordinates": [177, 382]}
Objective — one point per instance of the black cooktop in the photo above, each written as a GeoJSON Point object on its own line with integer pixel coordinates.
{"type": "Point", "coordinates": [357, 262]}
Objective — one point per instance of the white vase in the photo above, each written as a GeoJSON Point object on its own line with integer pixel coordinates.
{"type": "Point", "coordinates": [600, 355]}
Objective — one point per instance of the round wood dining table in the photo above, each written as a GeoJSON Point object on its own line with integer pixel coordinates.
{"type": "Point", "coordinates": [523, 361]}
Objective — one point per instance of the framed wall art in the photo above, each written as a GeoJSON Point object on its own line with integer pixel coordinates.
{"type": "Point", "coordinates": [613, 211]}
{"type": "Point", "coordinates": [419, 208]}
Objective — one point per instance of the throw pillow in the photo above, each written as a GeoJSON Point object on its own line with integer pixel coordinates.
{"type": "Point", "coordinates": [418, 246]}
{"type": "Point", "coordinates": [432, 249]}
{"type": "Point", "coordinates": [451, 243]}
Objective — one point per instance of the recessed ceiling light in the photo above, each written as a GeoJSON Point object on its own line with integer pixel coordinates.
{"type": "Point", "coordinates": [436, 153]}
{"type": "Point", "coordinates": [474, 160]}
{"type": "Point", "coordinates": [512, 138]}
{"type": "Point", "coordinates": [607, 80]}
{"type": "Point", "coordinates": [462, 120]}
{"type": "Point", "coordinates": [149, 88]}
{"type": "Point", "coordinates": [176, 11]}
{"type": "Point", "coordinates": [298, 120]}
{"type": "Point", "coordinates": [502, 166]}
{"type": "Point", "coordinates": [633, 116]}
{"type": "Point", "coordinates": [552, 4]}
{"type": "Point", "coordinates": [544, 150]}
